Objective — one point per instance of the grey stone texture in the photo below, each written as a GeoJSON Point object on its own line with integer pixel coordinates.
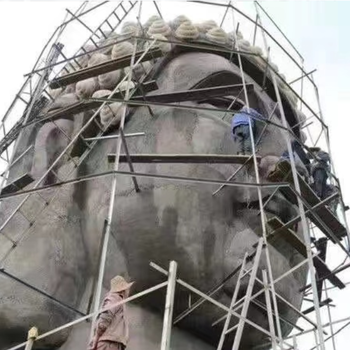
{"type": "Point", "coordinates": [168, 220]}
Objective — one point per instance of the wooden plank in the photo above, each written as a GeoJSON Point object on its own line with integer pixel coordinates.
{"type": "Point", "coordinates": [296, 219]}
{"type": "Point", "coordinates": [314, 149]}
{"type": "Point", "coordinates": [86, 105]}
{"type": "Point", "coordinates": [321, 246]}
{"type": "Point", "coordinates": [145, 88]}
{"type": "Point", "coordinates": [324, 215]}
{"type": "Point", "coordinates": [334, 272]}
{"type": "Point", "coordinates": [70, 111]}
{"type": "Point", "coordinates": [322, 303]}
{"type": "Point", "coordinates": [196, 94]}
{"type": "Point", "coordinates": [183, 158]}
{"type": "Point", "coordinates": [289, 236]}
{"type": "Point", "coordinates": [323, 271]}
{"type": "Point", "coordinates": [286, 234]}
{"type": "Point", "coordinates": [18, 184]}
{"type": "Point", "coordinates": [103, 68]}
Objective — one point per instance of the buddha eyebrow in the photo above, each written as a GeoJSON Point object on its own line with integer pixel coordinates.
{"type": "Point", "coordinates": [219, 78]}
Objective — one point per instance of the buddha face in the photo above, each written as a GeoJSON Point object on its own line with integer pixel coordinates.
{"type": "Point", "coordinates": [167, 220]}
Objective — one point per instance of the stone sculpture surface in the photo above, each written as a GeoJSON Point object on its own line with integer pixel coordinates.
{"type": "Point", "coordinates": [207, 235]}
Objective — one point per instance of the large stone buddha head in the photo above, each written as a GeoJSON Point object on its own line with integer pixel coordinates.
{"type": "Point", "coordinates": [167, 220]}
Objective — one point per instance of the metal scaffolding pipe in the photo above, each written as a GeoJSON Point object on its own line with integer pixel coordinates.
{"type": "Point", "coordinates": [169, 307]}
{"type": "Point", "coordinates": [214, 302]}
{"type": "Point", "coordinates": [244, 313]}
{"type": "Point", "coordinates": [260, 198]}
{"type": "Point", "coordinates": [114, 186]}
{"type": "Point", "coordinates": [140, 174]}
{"type": "Point", "coordinates": [69, 145]}
{"type": "Point", "coordinates": [110, 137]}
{"type": "Point", "coordinates": [269, 309]}
{"type": "Point", "coordinates": [233, 301]}
{"type": "Point", "coordinates": [93, 314]}
{"type": "Point", "coordinates": [165, 343]}
{"type": "Point", "coordinates": [300, 204]}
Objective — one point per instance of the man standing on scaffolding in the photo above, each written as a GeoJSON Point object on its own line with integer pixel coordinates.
{"type": "Point", "coordinates": [320, 171]}
{"type": "Point", "coordinates": [240, 128]}
{"type": "Point", "coordinates": [111, 330]}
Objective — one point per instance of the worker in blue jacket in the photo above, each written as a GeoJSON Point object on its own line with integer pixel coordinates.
{"type": "Point", "coordinates": [240, 128]}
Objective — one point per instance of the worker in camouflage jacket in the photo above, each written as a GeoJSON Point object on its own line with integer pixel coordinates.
{"type": "Point", "coordinates": [111, 330]}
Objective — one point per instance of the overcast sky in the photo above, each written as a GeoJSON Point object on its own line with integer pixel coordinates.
{"type": "Point", "coordinates": [319, 29]}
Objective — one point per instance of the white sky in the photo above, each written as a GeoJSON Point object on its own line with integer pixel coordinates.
{"type": "Point", "coordinates": [319, 29]}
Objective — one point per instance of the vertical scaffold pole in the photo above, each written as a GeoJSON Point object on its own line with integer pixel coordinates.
{"type": "Point", "coordinates": [233, 301]}
{"type": "Point", "coordinates": [269, 310]}
{"type": "Point", "coordinates": [330, 317]}
{"type": "Point", "coordinates": [261, 205]}
{"type": "Point", "coordinates": [169, 307]}
{"type": "Point", "coordinates": [248, 296]}
{"type": "Point", "coordinates": [113, 193]}
{"type": "Point", "coordinates": [330, 155]}
{"type": "Point", "coordinates": [301, 83]}
{"type": "Point", "coordinates": [316, 341]}
{"type": "Point", "coordinates": [35, 96]}
{"type": "Point", "coordinates": [295, 344]}
{"type": "Point", "coordinates": [300, 204]}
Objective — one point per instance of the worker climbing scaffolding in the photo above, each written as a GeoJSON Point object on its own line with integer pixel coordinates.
{"type": "Point", "coordinates": [320, 171]}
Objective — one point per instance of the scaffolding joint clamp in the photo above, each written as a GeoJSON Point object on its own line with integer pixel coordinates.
{"type": "Point", "coordinates": [33, 333]}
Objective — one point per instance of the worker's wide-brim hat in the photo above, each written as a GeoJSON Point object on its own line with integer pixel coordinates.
{"type": "Point", "coordinates": [118, 284]}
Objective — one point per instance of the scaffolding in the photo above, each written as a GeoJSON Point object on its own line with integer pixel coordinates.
{"type": "Point", "coordinates": [313, 211]}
